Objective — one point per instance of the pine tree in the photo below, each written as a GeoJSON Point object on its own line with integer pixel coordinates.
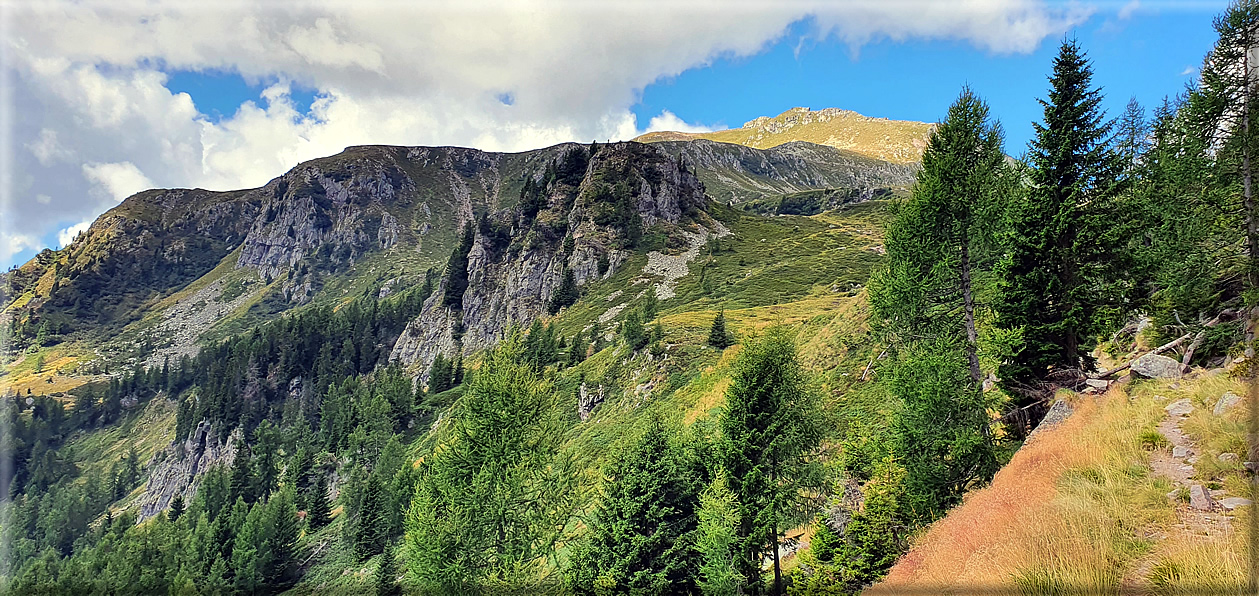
{"type": "Point", "coordinates": [319, 512]}
{"type": "Point", "coordinates": [632, 331]}
{"type": "Point", "coordinates": [718, 337]}
{"type": "Point", "coordinates": [1224, 110]}
{"type": "Point", "coordinates": [566, 294]}
{"type": "Point", "coordinates": [457, 269]}
{"type": "Point", "coordinates": [1059, 284]}
{"type": "Point", "coordinates": [769, 430]}
{"type": "Point", "coordinates": [370, 527]}
{"type": "Point", "coordinates": [387, 575]}
{"type": "Point", "coordinates": [176, 508]}
{"type": "Point", "coordinates": [640, 536]}
{"type": "Point", "coordinates": [439, 375]}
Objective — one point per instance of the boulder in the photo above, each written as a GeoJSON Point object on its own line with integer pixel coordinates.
{"type": "Point", "coordinates": [1199, 499]}
{"type": "Point", "coordinates": [1154, 366]}
{"type": "Point", "coordinates": [1227, 402]}
{"type": "Point", "coordinates": [1232, 503]}
{"type": "Point", "coordinates": [1097, 383]}
{"type": "Point", "coordinates": [1180, 407]}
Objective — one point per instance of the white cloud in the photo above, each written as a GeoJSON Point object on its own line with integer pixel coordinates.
{"type": "Point", "coordinates": [1128, 9]}
{"type": "Point", "coordinates": [1188, 71]}
{"type": "Point", "coordinates": [99, 122]}
{"type": "Point", "coordinates": [117, 180]}
{"type": "Point", "coordinates": [66, 235]}
{"type": "Point", "coordinates": [16, 243]}
{"type": "Point", "coordinates": [669, 121]}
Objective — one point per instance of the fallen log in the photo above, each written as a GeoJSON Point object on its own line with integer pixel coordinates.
{"type": "Point", "coordinates": [1169, 345]}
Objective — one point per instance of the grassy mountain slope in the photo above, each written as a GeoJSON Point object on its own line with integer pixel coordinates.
{"type": "Point", "coordinates": [898, 141]}
{"type": "Point", "coordinates": [1084, 506]}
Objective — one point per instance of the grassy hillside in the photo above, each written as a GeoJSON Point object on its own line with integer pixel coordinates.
{"type": "Point", "coordinates": [898, 141]}
{"type": "Point", "coordinates": [1090, 506]}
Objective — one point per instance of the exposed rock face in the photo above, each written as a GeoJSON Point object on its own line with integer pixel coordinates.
{"type": "Point", "coordinates": [1156, 366]}
{"type": "Point", "coordinates": [180, 472]}
{"type": "Point", "coordinates": [587, 401]}
{"type": "Point", "coordinates": [1058, 412]}
{"type": "Point", "coordinates": [513, 285]}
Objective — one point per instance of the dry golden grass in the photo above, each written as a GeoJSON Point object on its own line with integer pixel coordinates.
{"type": "Point", "coordinates": [1076, 509]}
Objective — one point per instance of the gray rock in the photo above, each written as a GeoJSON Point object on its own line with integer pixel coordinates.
{"type": "Point", "coordinates": [1180, 407]}
{"type": "Point", "coordinates": [1228, 458]}
{"type": "Point", "coordinates": [1227, 402]}
{"type": "Point", "coordinates": [1156, 366]}
{"type": "Point", "coordinates": [1180, 452]}
{"type": "Point", "coordinates": [1199, 499]}
{"type": "Point", "coordinates": [1252, 466]}
{"type": "Point", "coordinates": [1097, 383]}
{"type": "Point", "coordinates": [1058, 412]}
{"type": "Point", "coordinates": [1232, 503]}
{"type": "Point", "coordinates": [182, 466]}
{"type": "Point", "coordinates": [588, 400]}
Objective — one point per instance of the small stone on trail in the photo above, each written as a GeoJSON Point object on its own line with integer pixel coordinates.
{"type": "Point", "coordinates": [1226, 403]}
{"type": "Point", "coordinates": [1199, 499]}
{"type": "Point", "coordinates": [1180, 407]}
{"type": "Point", "coordinates": [1232, 503]}
{"type": "Point", "coordinates": [1180, 452]}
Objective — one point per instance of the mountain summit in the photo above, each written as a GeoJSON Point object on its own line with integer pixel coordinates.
{"type": "Point", "coordinates": [900, 141]}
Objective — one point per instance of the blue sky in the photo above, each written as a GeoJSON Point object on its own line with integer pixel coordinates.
{"type": "Point", "coordinates": [116, 101]}
{"type": "Point", "coordinates": [918, 80]}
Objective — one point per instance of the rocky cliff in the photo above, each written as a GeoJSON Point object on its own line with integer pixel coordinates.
{"type": "Point", "coordinates": [177, 470]}
{"type": "Point", "coordinates": [625, 188]}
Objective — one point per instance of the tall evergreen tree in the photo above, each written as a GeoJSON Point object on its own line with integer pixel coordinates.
{"type": "Point", "coordinates": [718, 336]}
{"type": "Point", "coordinates": [566, 294]}
{"type": "Point", "coordinates": [717, 539]}
{"type": "Point", "coordinates": [1061, 283]}
{"type": "Point", "coordinates": [319, 512]}
{"type": "Point", "coordinates": [498, 491]}
{"type": "Point", "coordinates": [641, 535]}
{"type": "Point", "coordinates": [770, 430]}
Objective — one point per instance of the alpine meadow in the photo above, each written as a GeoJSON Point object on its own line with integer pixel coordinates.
{"type": "Point", "coordinates": [818, 354]}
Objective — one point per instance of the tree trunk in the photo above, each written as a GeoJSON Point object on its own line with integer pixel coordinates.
{"type": "Point", "coordinates": [968, 310]}
{"type": "Point", "coordinates": [778, 576]}
{"type": "Point", "coordinates": [1252, 226]}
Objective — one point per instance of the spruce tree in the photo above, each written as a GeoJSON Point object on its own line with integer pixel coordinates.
{"type": "Point", "coordinates": [457, 269]}
{"type": "Point", "coordinates": [176, 508]}
{"type": "Point", "coordinates": [566, 294]}
{"type": "Point", "coordinates": [370, 529]}
{"type": "Point", "coordinates": [1059, 283]}
{"type": "Point", "coordinates": [641, 535]}
{"type": "Point", "coordinates": [633, 333]}
{"type": "Point", "coordinates": [387, 575]}
{"type": "Point", "coordinates": [770, 431]}
{"type": "Point", "coordinates": [718, 336]}
{"type": "Point", "coordinates": [319, 512]}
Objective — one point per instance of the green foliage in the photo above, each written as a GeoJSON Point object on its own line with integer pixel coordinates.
{"type": "Point", "coordinates": [1063, 280]}
{"type": "Point", "coordinates": [641, 534]}
{"type": "Point", "coordinates": [770, 432]}
{"type": "Point", "coordinates": [319, 510]}
{"type": "Point", "coordinates": [457, 270]}
{"type": "Point", "coordinates": [497, 491]}
{"type": "Point", "coordinates": [566, 294]}
{"type": "Point", "coordinates": [717, 539]}
{"type": "Point", "coordinates": [633, 332]}
{"type": "Point", "coordinates": [718, 336]}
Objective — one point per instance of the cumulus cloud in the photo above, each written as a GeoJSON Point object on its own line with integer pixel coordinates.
{"type": "Point", "coordinates": [90, 77]}
{"type": "Point", "coordinates": [669, 121]}
{"type": "Point", "coordinates": [117, 180]}
{"type": "Point", "coordinates": [66, 235]}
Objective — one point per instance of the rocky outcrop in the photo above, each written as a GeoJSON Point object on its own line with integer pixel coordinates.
{"type": "Point", "coordinates": [587, 400]}
{"type": "Point", "coordinates": [513, 285]}
{"type": "Point", "coordinates": [177, 470]}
